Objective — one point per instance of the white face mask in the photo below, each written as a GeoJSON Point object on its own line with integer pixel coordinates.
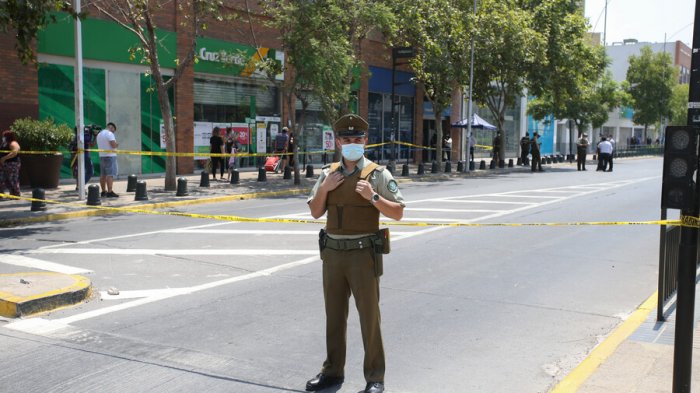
{"type": "Point", "coordinates": [353, 151]}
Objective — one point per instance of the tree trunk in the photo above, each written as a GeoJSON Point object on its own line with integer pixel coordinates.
{"type": "Point", "coordinates": [438, 131]}
{"type": "Point", "coordinates": [170, 146]}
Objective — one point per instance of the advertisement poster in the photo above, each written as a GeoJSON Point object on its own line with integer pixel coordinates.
{"type": "Point", "coordinates": [328, 140]}
{"type": "Point", "coordinates": [202, 133]}
{"type": "Point", "coordinates": [274, 130]}
{"type": "Point", "coordinates": [242, 133]}
{"type": "Point", "coordinates": [261, 137]}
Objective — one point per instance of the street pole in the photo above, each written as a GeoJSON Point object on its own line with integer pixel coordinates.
{"type": "Point", "coordinates": [79, 124]}
{"type": "Point", "coordinates": [392, 159]}
{"type": "Point", "coordinates": [688, 248]}
{"type": "Point", "coordinates": [469, 107]}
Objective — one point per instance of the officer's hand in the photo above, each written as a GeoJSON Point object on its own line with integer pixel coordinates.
{"type": "Point", "coordinates": [365, 189]}
{"type": "Point", "coordinates": [332, 181]}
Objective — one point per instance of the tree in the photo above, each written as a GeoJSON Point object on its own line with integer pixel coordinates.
{"type": "Point", "coordinates": [679, 105]}
{"type": "Point", "coordinates": [440, 64]}
{"type": "Point", "coordinates": [322, 42]}
{"type": "Point", "coordinates": [26, 17]}
{"type": "Point", "coordinates": [137, 16]}
{"type": "Point", "coordinates": [586, 98]}
{"type": "Point", "coordinates": [651, 78]}
{"type": "Point", "coordinates": [507, 47]}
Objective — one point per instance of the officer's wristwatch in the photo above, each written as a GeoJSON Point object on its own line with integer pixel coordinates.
{"type": "Point", "coordinates": [375, 198]}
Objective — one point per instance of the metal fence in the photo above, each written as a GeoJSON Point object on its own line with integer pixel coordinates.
{"type": "Point", "coordinates": [668, 265]}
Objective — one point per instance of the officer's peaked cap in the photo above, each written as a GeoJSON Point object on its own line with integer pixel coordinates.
{"type": "Point", "coordinates": [350, 125]}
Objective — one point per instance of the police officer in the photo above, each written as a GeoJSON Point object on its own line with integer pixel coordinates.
{"type": "Point", "coordinates": [353, 192]}
{"type": "Point", "coordinates": [497, 142]}
{"type": "Point", "coordinates": [581, 150]}
{"type": "Point", "coordinates": [535, 151]}
{"type": "Point", "coordinates": [524, 149]}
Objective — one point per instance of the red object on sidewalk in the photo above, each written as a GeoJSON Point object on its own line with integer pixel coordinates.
{"type": "Point", "coordinates": [272, 163]}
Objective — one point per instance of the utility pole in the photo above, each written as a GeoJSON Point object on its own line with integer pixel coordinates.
{"type": "Point", "coordinates": [687, 251]}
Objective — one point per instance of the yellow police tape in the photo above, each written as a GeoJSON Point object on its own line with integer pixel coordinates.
{"type": "Point", "coordinates": [685, 221]}
{"type": "Point", "coordinates": [207, 154]}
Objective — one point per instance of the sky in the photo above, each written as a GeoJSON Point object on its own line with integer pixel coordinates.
{"type": "Point", "coordinates": [645, 20]}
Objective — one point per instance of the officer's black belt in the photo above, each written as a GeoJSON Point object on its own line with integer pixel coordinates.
{"type": "Point", "coordinates": [349, 244]}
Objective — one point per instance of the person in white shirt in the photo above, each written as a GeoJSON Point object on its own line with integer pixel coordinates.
{"type": "Point", "coordinates": [605, 150]}
{"type": "Point", "coordinates": [614, 148]}
{"type": "Point", "coordinates": [108, 160]}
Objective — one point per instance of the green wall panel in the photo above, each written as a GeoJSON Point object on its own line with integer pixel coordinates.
{"type": "Point", "coordinates": [57, 100]}
{"type": "Point", "coordinates": [150, 126]}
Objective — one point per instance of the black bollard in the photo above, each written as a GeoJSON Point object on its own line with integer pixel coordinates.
{"type": "Point", "coordinates": [421, 169]}
{"type": "Point", "coordinates": [448, 167]}
{"type": "Point", "coordinates": [460, 166]}
{"type": "Point", "coordinates": [482, 164]}
{"type": "Point", "coordinates": [492, 164]}
{"type": "Point", "coordinates": [93, 198]}
{"type": "Point", "coordinates": [520, 161]}
{"type": "Point", "coordinates": [594, 157]}
{"type": "Point", "coordinates": [404, 170]}
{"type": "Point", "coordinates": [262, 174]}
{"type": "Point", "coordinates": [510, 163]}
{"type": "Point", "coordinates": [309, 170]}
{"type": "Point", "coordinates": [287, 173]}
{"type": "Point", "coordinates": [131, 183]}
{"type": "Point", "coordinates": [38, 193]}
{"type": "Point", "coordinates": [471, 165]}
{"type": "Point", "coordinates": [549, 159]}
{"type": "Point", "coordinates": [141, 193]}
{"type": "Point", "coordinates": [501, 163]}
{"type": "Point", "coordinates": [435, 168]}
{"type": "Point", "coordinates": [181, 187]}
{"type": "Point", "coordinates": [235, 176]}
{"type": "Point", "coordinates": [204, 179]}
{"type": "Point", "coordinates": [391, 168]}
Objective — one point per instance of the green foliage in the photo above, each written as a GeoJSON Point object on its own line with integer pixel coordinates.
{"type": "Point", "coordinates": [26, 17]}
{"type": "Point", "coordinates": [679, 105]}
{"type": "Point", "coordinates": [41, 135]}
{"type": "Point", "coordinates": [651, 78]}
{"type": "Point", "coordinates": [508, 46]}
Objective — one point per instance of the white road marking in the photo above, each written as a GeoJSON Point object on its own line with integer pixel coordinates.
{"type": "Point", "coordinates": [248, 232]}
{"type": "Point", "coordinates": [19, 260]}
{"type": "Point", "coordinates": [482, 201]}
{"type": "Point", "coordinates": [428, 209]}
{"type": "Point", "coordinates": [146, 251]}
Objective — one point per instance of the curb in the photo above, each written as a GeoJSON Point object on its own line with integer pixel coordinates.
{"type": "Point", "coordinates": [23, 302]}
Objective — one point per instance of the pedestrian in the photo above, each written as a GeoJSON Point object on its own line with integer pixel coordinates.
{"type": "Point", "coordinates": [605, 148]}
{"type": "Point", "coordinates": [107, 144]}
{"type": "Point", "coordinates": [88, 142]}
{"type": "Point", "coordinates": [446, 147]}
{"type": "Point", "coordinates": [9, 163]}
{"type": "Point", "coordinates": [281, 146]}
{"type": "Point", "coordinates": [581, 151]}
{"type": "Point", "coordinates": [472, 144]}
{"type": "Point", "coordinates": [614, 150]}
{"type": "Point", "coordinates": [290, 149]}
{"type": "Point", "coordinates": [216, 146]}
{"type": "Point", "coordinates": [535, 151]}
{"type": "Point", "coordinates": [433, 146]}
{"type": "Point", "coordinates": [497, 142]}
{"type": "Point", "coordinates": [353, 191]}
{"type": "Point", "coordinates": [228, 146]}
{"type": "Point", "coordinates": [524, 149]}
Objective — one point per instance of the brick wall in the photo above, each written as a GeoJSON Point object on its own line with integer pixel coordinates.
{"type": "Point", "coordinates": [19, 96]}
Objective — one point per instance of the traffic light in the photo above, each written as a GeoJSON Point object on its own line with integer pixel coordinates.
{"type": "Point", "coordinates": [680, 164]}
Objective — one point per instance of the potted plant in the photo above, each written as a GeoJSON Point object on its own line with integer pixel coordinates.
{"type": "Point", "coordinates": [41, 170]}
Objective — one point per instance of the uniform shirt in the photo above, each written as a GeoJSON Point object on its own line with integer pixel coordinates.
{"type": "Point", "coordinates": [605, 147]}
{"type": "Point", "coordinates": [103, 139]}
{"type": "Point", "coordinates": [382, 182]}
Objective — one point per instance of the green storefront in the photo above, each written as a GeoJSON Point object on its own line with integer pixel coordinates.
{"type": "Point", "coordinates": [117, 88]}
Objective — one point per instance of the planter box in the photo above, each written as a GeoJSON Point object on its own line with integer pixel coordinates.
{"type": "Point", "coordinates": [40, 170]}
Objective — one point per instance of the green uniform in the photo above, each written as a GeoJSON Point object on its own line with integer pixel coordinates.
{"type": "Point", "coordinates": [350, 265]}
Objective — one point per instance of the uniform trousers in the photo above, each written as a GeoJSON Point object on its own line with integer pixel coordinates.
{"type": "Point", "coordinates": [346, 273]}
{"type": "Point", "coordinates": [581, 159]}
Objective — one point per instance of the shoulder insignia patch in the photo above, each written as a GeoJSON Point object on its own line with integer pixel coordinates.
{"type": "Point", "coordinates": [392, 186]}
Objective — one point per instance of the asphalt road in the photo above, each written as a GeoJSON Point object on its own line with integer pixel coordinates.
{"type": "Point", "coordinates": [222, 306]}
